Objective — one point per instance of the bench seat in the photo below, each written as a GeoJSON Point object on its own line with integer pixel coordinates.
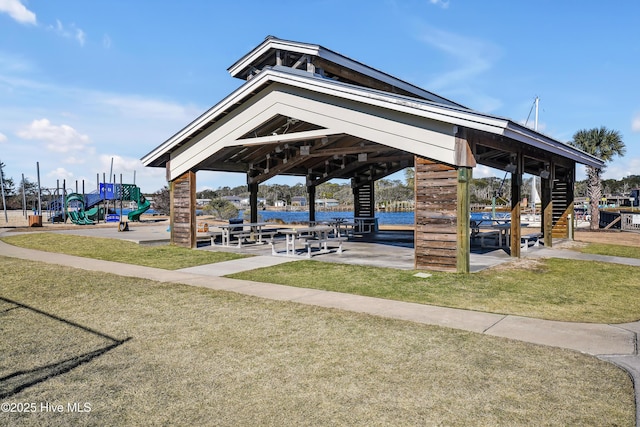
{"type": "Point", "coordinates": [528, 238]}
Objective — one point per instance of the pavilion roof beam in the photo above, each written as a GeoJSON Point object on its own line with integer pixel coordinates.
{"type": "Point", "coordinates": [282, 167]}
{"type": "Point", "coordinates": [351, 168]}
{"type": "Point", "coordinates": [290, 137]}
{"type": "Point", "coordinates": [354, 150]}
{"type": "Point", "coordinates": [374, 175]}
{"type": "Point", "coordinates": [259, 155]}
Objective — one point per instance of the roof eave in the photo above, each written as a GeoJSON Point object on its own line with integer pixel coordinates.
{"type": "Point", "coordinates": [271, 42]}
{"type": "Point", "coordinates": [536, 139]}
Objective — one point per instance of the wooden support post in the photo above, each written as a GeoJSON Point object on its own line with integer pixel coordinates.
{"type": "Point", "coordinates": [570, 196]}
{"type": "Point", "coordinates": [311, 190]}
{"type": "Point", "coordinates": [253, 202]}
{"type": "Point", "coordinates": [547, 211]}
{"type": "Point", "coordinates": [463, 257]}
{"type": "Point", "coordinates": [516, 195]}
{"type": "Point", "coordinates": [183, 210]}
{"type": "Point", "coordinates": [436, 217]}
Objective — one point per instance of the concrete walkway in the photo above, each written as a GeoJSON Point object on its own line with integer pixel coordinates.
{"type": "Point", "coordinates": [617, 344]}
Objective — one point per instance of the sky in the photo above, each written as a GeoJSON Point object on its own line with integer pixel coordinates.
{"type": "Point", "coordinates": [84, 84]}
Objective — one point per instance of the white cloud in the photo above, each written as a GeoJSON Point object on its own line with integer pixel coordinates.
{"type": "Point", "coordinates": [106, 41]}
{"type": "Point", "coordinates": [60, 139]}
{"type": "Point", "coordinates": [60, 173]}
{"type": "Point", "coordinates": [3, 138]}
{"type": "Point", "coordinates": [80, 36]}
{"type": "Point", "coordinates": [72, 160]}
{"type": "Point", "coordinates": [622, 167]}
{"type": "Point", "coordinates": [18, 11]}
{"type": "Point", "coordinates": [473, 56]}
{"type": "Point", "coordinates": [136, 106]}
{"type": "Point", "coordinates": [442, 3]}
{"type": "Point", "coordinates": [121, 165]}
{"type": "Point", "coordinates": [73, 33]}
{"type": "Point", "coordinates": [635, 124]}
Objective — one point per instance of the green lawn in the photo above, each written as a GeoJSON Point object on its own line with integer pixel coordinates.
{"type": "Point", "coordinates": [146, 353]}
{"type": "Point", "coordinates": [160, 256]}
{"type": "Point", "coordinates": [554, 289]}
{"type": "Point", "coordinates": [611, 250]}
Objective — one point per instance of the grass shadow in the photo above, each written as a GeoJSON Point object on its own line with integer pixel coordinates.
{"type": "Point", "coordinates": [19, 380]}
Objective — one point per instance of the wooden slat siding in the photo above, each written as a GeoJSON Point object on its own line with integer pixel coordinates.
{"type": "Point", "coordinates": [560, 210]}
{"type": "Point", "coordinates": [547, 211]}
{"type": "Point", "coordinates": [436, 192]}
{"type": "Point", "coordinates": [183, 215]}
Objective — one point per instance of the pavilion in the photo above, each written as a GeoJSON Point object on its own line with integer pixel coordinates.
{"type": "Point", "coordinates": [307, 111]}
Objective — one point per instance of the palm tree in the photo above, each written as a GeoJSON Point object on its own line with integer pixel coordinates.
{"type": "Point", "coordinates": [605, 144]}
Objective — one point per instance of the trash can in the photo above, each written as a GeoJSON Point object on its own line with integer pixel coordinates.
{"type": "Point", "coordinates": [233, 221]}
{"type": "Point", "coordinates": [35, 220]}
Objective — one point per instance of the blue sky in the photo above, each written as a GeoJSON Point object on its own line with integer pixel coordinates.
{"type": "Point", "coordinates": [84, 82]}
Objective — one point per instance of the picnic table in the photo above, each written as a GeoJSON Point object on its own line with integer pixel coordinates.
{"type": "Point", "coordinates": [365, 224]}
{"type": "Point", "coordinates": [495, 230]}
{"type": "Point", "coordinates": [308, 236]}
{"type": "Point", "coordinates": [343, 226]}
{"type": "Point", "coordinates": [243, 232]}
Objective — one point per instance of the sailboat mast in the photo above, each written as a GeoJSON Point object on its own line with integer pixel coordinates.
{"type": "Point", "coordinates": [533, 181]}
{"type": "Point", "coordinates": [535, 125]}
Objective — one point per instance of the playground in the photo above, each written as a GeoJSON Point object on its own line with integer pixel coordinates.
{"type": "Point", "coordinates": [109, 203]}
{"type": "Point", "coordinates": [100, 205]}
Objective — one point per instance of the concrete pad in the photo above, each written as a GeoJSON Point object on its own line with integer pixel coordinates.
{"type": "Point", "coordinates": [570, 254]}
{"type": "Point", "coordinates": [634, 326]}
{"type": "Point", "coordinates": [591, 338]}
{"type": "Point", "coordinates": [275, 292]}
{"type": "Point", "coordinates": [138, 233]}
{"type": "Point", "coordinates": [237, 265]}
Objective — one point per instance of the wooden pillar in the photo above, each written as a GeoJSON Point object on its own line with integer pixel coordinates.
{"type": "Point", "coordinates": [516, 195]}
{"type": "Point", "coordinates": [183, 210]}
{"type": "Point", "coordinates": [547, 209]}
{"type": "Point", "coordinates": [253, 202]}
{"type": "Point", "coordinates": [570, 197]}
{"type": "Point", "coordinates": [311, 190]}
{"type": "Point", "coordinates": [562, 199]}
{"type": "Point", "coordinates": [436, 216]}
{"type": "Point", "coordinates": [463, 255]}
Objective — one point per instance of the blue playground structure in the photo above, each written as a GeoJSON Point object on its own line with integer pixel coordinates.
{"type": "Point", "coordinates": [89, 208]}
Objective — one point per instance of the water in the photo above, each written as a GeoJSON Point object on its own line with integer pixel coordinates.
{"type": "Point", "coordinates": [389, 218]}
{"type": "Point", "coordinates": [291, 217]}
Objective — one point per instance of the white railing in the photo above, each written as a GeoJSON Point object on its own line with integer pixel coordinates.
{"type": "Point", "coordinates": [630, 222]}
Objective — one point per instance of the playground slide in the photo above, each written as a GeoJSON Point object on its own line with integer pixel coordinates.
{"type": "Point", "coordinates": [95, 213]}
{"type": "Point", "coordinates": [78, 217]}
{"type": "Point", "coordinates": [143, 206]}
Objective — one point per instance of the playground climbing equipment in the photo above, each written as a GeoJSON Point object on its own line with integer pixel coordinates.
{"type": "Point", "coordinates": [85, 209]}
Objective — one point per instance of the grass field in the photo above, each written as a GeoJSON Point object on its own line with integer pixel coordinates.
{"type": "Point", "coordinates": [161, 256]}
{"type": "Point", "coordinates": [146, 353]}
{"type": "Point", "coordinates": [612, 250]}
{"type": "Point", "coordinates": [555, 289]}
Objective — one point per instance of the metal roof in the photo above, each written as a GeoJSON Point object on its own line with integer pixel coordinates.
{"type": "Point", "coordinates": [449, 114]}
{"type": "Point", "coordinates": [265, 55]}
